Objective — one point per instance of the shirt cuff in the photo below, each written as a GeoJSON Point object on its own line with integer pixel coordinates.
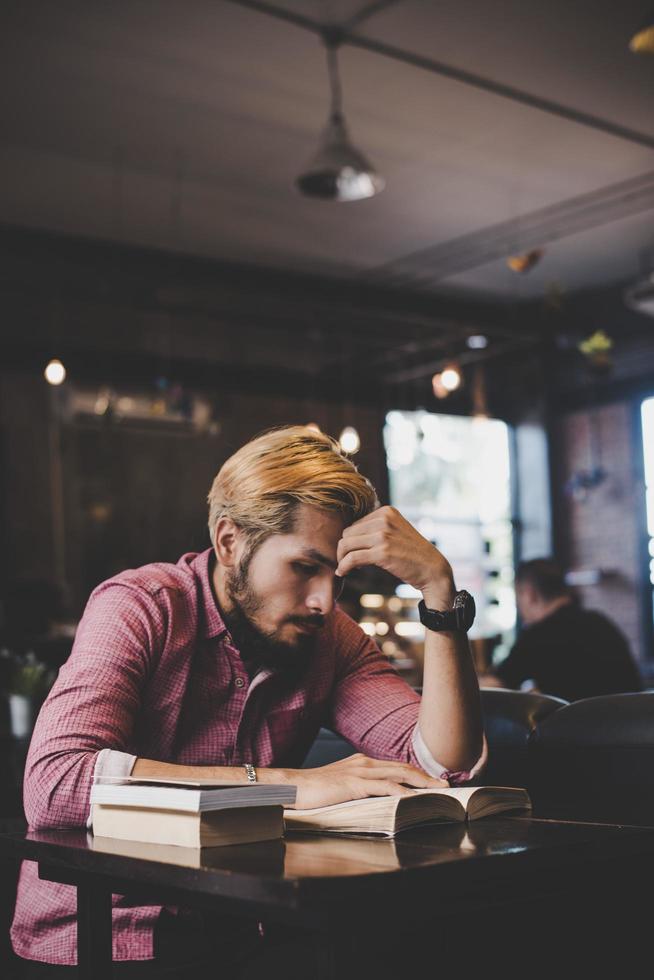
{"type": "Point", "coordinates": [434, 768]}
{"type": "Point", "coordinates": [111, 762]}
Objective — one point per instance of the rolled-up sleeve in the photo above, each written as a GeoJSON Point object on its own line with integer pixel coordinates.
{"type": "Point", "coordinates": [88, 718]}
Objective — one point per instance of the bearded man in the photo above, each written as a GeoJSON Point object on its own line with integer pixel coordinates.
{"type": "Point", "coordinates": [227, 664]}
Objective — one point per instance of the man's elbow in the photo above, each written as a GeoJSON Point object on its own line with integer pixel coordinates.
{"type": "Point", "coordinates": [472, 758]}
{"type": "Point", "coordinates": [479, 758]}
{"type": "Point", "coordinates": [56, 794]}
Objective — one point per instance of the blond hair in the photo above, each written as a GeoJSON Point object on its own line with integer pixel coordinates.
{"type": "Point", "coordinates": [261, 485]}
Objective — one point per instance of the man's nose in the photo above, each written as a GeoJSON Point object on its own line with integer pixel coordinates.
{"type": "Point", "coordinates": [323, 594]}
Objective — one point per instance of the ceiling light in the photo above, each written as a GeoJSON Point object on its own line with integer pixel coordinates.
{"type": "Point", "coordinates": [55, 372]}
{"type": "Point", "coordinates": [338, 171]}
{"type": "Point", "coordinates": [477, 341]}
{"type": "Point", "coordinates": [372, 600]}
{"type": "Point", "coordinates": [643, 40]}
{"type": "Point", "coordinates": [523, 263]}
{"type": "Point", "coordinates": [349, 440]}
{"type": "Point", "coordinates": [451, 378]}
{"type": "Point", "coordinates": [438, 387]}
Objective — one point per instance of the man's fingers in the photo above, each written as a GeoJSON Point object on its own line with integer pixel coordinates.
{"type": "Point", "coordinates": [357, 542]}
{"type": "Point", "coordinates": [398, 772]}
{"type": "Point", "coordinates": [381, 787]}
{"type": "Point", "coordinates": [375, 518]}
{"type": "Point", "coordinates": [356, 559]}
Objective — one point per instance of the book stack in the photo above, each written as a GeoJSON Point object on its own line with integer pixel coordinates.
{"type": "Point", "coordinates": [188, 813]}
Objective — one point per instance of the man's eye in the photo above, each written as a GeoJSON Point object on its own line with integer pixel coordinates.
{"type": "Point", "coordinates": [305, 569]}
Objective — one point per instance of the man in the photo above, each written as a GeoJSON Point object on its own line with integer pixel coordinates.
{"type": "Point", "coordinates": [564, 650]}
{"type": "Point", "coordinates": [226, 665]}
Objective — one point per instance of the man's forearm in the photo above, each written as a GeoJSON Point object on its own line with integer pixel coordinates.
{"type": "Point", "coordinates": [450, 713]}
{"type": "Point", "coordinates": [151, 769]}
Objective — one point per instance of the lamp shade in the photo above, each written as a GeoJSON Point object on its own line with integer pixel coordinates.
{"type": "Point", "coordinates": [338, 171]}
{"type": "Point", "coordinates": [643, 40]}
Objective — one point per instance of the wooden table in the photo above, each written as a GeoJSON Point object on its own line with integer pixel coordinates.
{"type": "Point", "coordinates": [505, 888]}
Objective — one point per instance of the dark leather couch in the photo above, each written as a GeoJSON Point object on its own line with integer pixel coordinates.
{"type": "Point", "coordinates": [509, 719]}
{"type": "Point", "coordinates": [328, 747]}
{"type": "Point", "coordinates": [594, 760]}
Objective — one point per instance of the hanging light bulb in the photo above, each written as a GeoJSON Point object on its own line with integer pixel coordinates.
{"type": "Point", "coordinates": [349, 440]}
{"type": "Point", "coordinates": [439, 388]}
{"type": "Point", "coordinates": [643, 40]}
{"type": "Point", "coordinates": [55, 372]}
{"type": "Point", "coordinates": [523, 263]}
{"type": "Point", "coordinates": [338, 171]}
{"type": "Point", "coordinates": [451, 378]}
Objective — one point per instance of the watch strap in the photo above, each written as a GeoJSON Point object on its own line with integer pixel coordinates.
{"type": "Point", "coordinates": [435, 619]}
{"type": "Point", "coordinates": [460, 617]}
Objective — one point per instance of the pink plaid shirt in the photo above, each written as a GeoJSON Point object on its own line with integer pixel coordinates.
{"type": "Point", "coordinates": [153, 673]}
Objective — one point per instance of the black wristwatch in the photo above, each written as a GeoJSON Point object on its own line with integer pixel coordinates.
{"type": "Point", "coordinates": [460, 617]}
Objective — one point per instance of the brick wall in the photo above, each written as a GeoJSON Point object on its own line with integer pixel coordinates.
{"type": "Point", "coordinates": [601, 528]}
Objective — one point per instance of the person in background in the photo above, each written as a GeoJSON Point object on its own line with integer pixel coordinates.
{"type": "Point", "coordinates": [563, 650]}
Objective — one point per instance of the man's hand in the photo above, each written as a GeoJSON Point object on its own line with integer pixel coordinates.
{"type": "Point", "coordinates": [387, 540]}
{"type": "Point", "coordinates": [352, 779]}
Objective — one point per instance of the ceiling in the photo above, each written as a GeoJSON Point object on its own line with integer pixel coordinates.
{"type": "Point", "coordinates": [181, 125]}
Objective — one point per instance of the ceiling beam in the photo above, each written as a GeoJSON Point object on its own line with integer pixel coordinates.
{"type": "Point", "coordinates": [531, 230]}
{"type": "Point", "coordinates": [419, 371]}
{"type": "Point", "coordinates": [340, 34]}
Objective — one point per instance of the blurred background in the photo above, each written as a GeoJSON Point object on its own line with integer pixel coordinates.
{"type": "Point", "coordinates": [426, 228]}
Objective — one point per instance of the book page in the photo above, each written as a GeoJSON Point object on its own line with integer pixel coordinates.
{"type": "Point", "coordinates": [460, 793]}
{"type": "Point", "coordinates": [168, 781]}
{"type": "Point", "coordinates": [369, 801]}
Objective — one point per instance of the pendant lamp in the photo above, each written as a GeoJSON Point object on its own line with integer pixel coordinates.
{"type": "Point", "coordinates": [643, 40]}
{"type": "Point", "coordinates": [338, 171]}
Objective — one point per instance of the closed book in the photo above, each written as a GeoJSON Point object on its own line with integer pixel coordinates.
{"type": "Point", "coordinates": [193, 795]}
{"type": "Point", "coordinates": [231, 825]}
{"type": "Point", "coordinates": [188, 813]}
{"type": "Point", "coordinates": [389, 815]}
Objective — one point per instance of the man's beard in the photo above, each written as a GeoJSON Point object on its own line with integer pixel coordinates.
{"type": "Point", "coordinates": [258, 647]}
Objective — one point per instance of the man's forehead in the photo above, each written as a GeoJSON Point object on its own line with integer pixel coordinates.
{"type": "Point", "coordinates": [308, 519]}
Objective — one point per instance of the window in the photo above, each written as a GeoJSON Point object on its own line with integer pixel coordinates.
{"type": "Point", "coordinates": [450, 476]}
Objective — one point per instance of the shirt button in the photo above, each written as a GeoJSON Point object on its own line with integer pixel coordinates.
{"type": "Point", "coordinates": [239, 682]}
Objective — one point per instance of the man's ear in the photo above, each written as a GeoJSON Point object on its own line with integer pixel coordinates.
{"type": "Point", "coordinates": [227, 542]}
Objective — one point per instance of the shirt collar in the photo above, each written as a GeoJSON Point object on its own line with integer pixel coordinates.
{"type": "Point", "coordinates": [203, 565]}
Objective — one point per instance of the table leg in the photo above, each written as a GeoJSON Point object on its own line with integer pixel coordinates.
{"type": "Point", "coordinates": [94, 954]}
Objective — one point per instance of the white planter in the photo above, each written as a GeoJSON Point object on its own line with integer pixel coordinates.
{"type": "Point", "coordinates": [22, 714]}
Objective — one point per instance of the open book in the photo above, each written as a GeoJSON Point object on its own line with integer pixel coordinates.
{"type": "Point", "coordinates": [388, 815]}
{"type": "Point", "coordinates": [188, 813]}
